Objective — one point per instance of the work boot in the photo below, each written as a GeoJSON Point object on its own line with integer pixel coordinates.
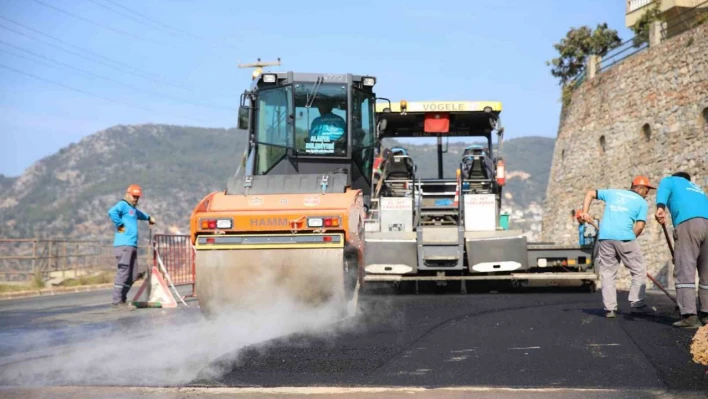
{"type": "Point", "coordinates": [610, 314]}
{"type": "Point", "coordinates": [704, 317]}
{"type": "Point", "coordinates": [688, 321]}
{"type": "Point", "coordinates": [643, 309]}
{"type": "Point", "coordinates": [123, 306]}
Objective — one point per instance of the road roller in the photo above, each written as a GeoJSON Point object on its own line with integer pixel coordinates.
{"type": "Point", "coordinates": [289, 226]}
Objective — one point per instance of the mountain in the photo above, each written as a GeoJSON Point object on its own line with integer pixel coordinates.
{"type": "Point", "coordinates": [68, 194]}
{"type": "Point", "coordinates": [528, 164]}
{"type": "Point", "coordinates": [6, 183]}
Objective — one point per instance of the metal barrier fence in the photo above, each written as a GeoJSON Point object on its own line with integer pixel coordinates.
{"type": "Point", "coordinates": [24, 259]}
{"type": "Point", "coordinates": [177, 255]}
{"type": "Point", "coordinates": [580, 79]}
{"type": "Point", "coordinates": [625, 50]}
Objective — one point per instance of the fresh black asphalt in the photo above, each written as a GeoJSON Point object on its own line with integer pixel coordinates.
{"type": "Point", "coordinates": [528, 339]}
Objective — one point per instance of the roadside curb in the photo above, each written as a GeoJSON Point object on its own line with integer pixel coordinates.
{"type": "Point", "coordinates": [58, 291]}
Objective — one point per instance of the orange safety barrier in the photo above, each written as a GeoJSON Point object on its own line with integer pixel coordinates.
{"type": "Point", "coordinates": [177, 255]}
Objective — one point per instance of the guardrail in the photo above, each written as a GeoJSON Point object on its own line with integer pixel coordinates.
{"type": "Point", "coordinates": [625, 50]}
{"type": "Point", "coordinates": [22, 260]}
{"type": "Point", "coordinates": [580, 79]}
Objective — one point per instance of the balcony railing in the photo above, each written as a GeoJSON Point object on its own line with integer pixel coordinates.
{"type": "Point", "coordinates": [634, 5]}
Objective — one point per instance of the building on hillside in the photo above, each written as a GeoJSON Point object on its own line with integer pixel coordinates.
{"type": "Point", "coordinates": [674, 14]}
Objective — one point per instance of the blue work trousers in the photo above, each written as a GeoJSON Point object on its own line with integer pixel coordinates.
{"type": "Point", "coordinates": [127, 257]}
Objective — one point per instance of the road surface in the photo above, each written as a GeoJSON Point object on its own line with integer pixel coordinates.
{"type": "Point", "coordinates": [528, 344]}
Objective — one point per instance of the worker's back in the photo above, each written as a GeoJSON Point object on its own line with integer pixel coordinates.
{"type": "Point", "coordinates": [685, 199]}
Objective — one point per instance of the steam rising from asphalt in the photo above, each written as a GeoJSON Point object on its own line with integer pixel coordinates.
{"type": "Point", "coordinates": [167, 350]}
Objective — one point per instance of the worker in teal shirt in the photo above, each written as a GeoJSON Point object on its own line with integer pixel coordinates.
{"type": "Point", "coordinates": [688, 206]}
{"type": "Point", "coordinates": [622, 210]}
{"type": "Point", "coordinates": [125, 216]}
{"type": "Point", "coordinates": [327, 128]}
{"type": "Point", "coordinates": [622, 222]}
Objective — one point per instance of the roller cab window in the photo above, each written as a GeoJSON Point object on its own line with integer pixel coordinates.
{"type": "Point", "coordinates": [274, 128]}
{"type": "Point", "coordinates": [321, 119]}
{"type": "Point", "coordinates": [363, 104]}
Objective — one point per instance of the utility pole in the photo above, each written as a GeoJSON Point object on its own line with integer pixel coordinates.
{"type": "Point", "coordinates": [259, 66]}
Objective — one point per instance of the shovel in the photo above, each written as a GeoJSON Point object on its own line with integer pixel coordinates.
{"type": "Point", "coordinates": [673, 259]}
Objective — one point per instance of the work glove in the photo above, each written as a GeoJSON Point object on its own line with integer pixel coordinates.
{"type": "Point", "coordinates": [121, 229]}
{"type": "Point", "coordinates": [151, 220]}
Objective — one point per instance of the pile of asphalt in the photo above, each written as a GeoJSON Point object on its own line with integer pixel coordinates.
{"type": "Point", "coordinates": [699, 346]}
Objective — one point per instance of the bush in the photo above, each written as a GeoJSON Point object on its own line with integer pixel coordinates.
{"type": "Point", "coordinates": [577, 46]}
{"type": "Point", "coordinates": [38, 280]}
{"type": "Point", "coordinates": [641, 27]}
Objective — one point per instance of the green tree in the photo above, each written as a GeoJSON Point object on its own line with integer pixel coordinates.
{"type": "Point", "coordinates": [577, 46]}
{"type": "Point", "coordinates": [641, 27]}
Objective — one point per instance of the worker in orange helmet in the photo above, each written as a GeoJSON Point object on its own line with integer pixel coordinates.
{"type": "Point", "coordinates": [622, 222]}
{"type": "Point", "coordinates": [125, 216]}
{"type": "Point", "coordinates": [688, 205]}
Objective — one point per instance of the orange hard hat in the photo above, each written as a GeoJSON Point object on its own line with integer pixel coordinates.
{"type": "Point", "coordinates": [642, 181]}
{"type": "Point", "coordinates": [134, 190]}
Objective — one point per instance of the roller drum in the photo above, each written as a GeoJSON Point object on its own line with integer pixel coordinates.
{"type": "Point", "coordinates": [232, 280]}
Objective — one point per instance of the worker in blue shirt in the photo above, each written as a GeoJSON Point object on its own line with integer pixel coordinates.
{"type": "Point", "coordinates": [125, 216]}
{"type": "Point", "coordinates": [688, 206]}
{"type": "Point", "coordinates": [327, 128]}
{"type": "Point", "coordinates": [622, 222]}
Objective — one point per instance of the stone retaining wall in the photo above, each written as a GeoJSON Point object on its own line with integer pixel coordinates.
{"type": "Point", "coordinates": [647, 115]}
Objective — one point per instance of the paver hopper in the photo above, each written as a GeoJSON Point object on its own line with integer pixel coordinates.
{"type": "Point", "coordinates": [290, 227]}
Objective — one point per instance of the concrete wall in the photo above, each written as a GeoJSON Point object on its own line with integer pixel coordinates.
{"type": "Point", "coordinates": [645, 115]}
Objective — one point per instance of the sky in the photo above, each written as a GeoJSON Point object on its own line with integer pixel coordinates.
{"type": "Point", "coordinates": [71, 68]}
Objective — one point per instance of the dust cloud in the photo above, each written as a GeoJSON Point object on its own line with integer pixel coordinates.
{"type": "Point", "coordinates": [171, 349]}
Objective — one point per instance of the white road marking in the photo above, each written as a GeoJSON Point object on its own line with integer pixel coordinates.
{"type": "Point", "coordinates": [336, 390]}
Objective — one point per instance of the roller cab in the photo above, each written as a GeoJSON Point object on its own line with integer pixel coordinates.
{"type": "Point", "coordinates": [289, 226]}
